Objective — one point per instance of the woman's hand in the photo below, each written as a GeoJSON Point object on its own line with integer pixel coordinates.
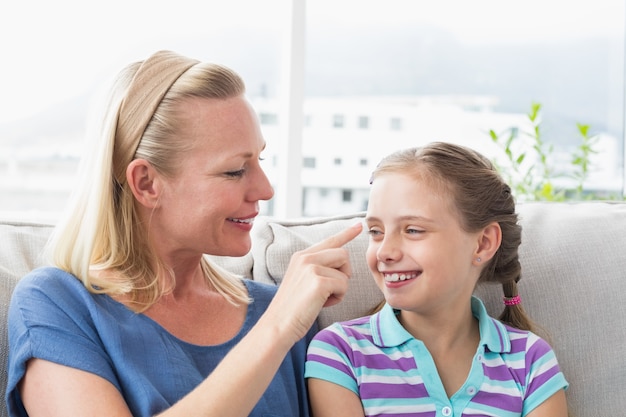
{"type": "Point", "coordinates": [315, 278]}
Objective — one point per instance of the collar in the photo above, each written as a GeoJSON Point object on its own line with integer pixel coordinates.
{"type": "Point", "coordinates": [388, 332]}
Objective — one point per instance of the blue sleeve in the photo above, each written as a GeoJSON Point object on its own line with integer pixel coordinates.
{"type": "Point", "coordinates": [48, 319]}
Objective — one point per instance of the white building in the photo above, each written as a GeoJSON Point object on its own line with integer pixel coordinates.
{"type": "Point", "coordinates": [343, 140]}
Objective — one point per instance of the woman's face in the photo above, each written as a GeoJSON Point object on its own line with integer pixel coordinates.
{"type": "Point", "coordinates": [209, 205]}
{"type": "Point", "coordinates": [418, 253]}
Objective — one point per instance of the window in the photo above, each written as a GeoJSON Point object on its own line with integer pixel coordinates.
{"type": "Point", "coordinates": [395, 123]}
{"type": "Point", "coordinates": [57, 62]}
{"type": "Point", "coordinates": [337, 161]}
{"type": "Point", "coordinates": [268, 118]}
{"type": "Point", "coordinates": [481, 65]}
{"type": "Point", "coordinates": [338, 120]}
{"type": "Point", "coordinates": [473, 67]}
{"type": "Point", "coordinates": [308, 162]}
{"type": "Point", "coordinates": [346, 196]}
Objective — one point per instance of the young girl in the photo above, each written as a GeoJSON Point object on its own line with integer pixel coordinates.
{"type": "Point", "coordinates": [441, 220]}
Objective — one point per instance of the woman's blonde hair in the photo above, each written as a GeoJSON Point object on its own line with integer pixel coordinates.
{"type": "Point", "coordinates": [102, 231]}
{"type": "Point", "coordinates": [480, 197]}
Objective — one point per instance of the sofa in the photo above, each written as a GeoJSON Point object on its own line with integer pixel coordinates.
{"type": "Point", "coordinates": [573, 285]}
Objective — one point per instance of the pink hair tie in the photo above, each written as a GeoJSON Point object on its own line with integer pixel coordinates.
{"type": "Point", "coordinates": [511, 301]}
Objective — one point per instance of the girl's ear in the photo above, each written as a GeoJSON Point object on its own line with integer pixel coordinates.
{"type": "Point", "coordinates": [489, 241]}
{"type": "Point", "coordinates": [144, 182]}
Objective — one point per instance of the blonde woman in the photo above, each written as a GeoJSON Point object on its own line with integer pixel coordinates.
{"type": "Point", "coordinates": [131, 319]}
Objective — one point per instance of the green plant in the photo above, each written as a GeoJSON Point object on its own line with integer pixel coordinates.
{"type": "Point", "coordinates": [528, 162]}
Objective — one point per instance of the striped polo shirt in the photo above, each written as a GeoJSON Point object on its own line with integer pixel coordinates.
{"type": "Point", "coordinates": [393, 373]}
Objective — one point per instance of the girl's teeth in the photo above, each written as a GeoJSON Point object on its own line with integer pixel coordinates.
{"type": "Point", "coordinates": [395, 277]}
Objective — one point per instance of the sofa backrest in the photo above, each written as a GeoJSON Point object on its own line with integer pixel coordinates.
{"type": "Point", "coordinates": [573, 259]}
{"type": "Point", "coordinates": [20, 251]}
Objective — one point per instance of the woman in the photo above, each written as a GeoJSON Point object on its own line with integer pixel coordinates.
{"type": "Point", "coordinates": [131, 319]}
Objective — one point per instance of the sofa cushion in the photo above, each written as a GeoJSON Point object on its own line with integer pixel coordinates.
{"type": "Point", "coordinates": [573, 279]}
{"type": "Point", "coordinates": [276, 240]}
{"type": "Point", "coordinates": [20, 252]}
{"type": "Point", "coordinates": [573, 259]}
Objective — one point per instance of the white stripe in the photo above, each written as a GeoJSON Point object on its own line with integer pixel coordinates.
{"type": "Point", "coordinates": [328, 354]}
{"type": "Point", "coordinates": [391, 379]}
{"type": "Point", "coordinates": [515, 364]}
{"type": "Point", "coordinates": [517, 336]}
{"type": "Point", "coordinates": [498, 389]}
{"type": "Point", "coordinates": [475, 411]}
{"type": "Point", "coordinates": [416, 408]}
{"type": "Point", "coordinates": [375, 350]}
{"type": "Point", "coordinates": [546, 367]}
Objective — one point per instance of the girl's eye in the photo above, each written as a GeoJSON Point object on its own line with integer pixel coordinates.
{"type": "Point", "coordinates": [374, 232]}
{"type": "Point", "coordinates": [413, 231]}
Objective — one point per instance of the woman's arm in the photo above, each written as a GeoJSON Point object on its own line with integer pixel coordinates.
{"type": "Point", "coordinates": [331, 400]}
{"type": "Point", "coordinates": [316, 277]}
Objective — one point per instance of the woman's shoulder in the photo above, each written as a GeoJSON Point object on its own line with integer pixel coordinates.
{"type": "Point", "coordinates": [49, 289]}
{"type": "Point", "coordinates": [48, 279]}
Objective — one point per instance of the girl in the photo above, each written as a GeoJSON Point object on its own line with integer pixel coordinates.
{"type": "Point", "coordinates": [440, 220]}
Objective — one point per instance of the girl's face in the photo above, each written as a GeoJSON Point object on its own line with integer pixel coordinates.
{"type": "Point", "coordinates": [209, 205]}
{"type": "Point", "coordinates": [419, 255]}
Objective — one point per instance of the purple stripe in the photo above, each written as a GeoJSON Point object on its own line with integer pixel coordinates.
{"type": "Point", "coordinates": [499, 401]}
{"type": "Point", "coordinates": [378, 327]}
{"type": "Point", "coordinates": [382, 361]}
{"type": "Point", "coordinates": [538, 350]}
{"type": "Point", "coordinates": [539, 380]}
{"type": "Point", "coordinates": [500, 337]}
{"type": "Point", "coordinates": [340, 366]}
{"type": "Point", "coordinates": [376, 390]}
{"type": "Point", "coordinates": [519, 345]}
{"type": "Point", "coordinates": [501, 373]}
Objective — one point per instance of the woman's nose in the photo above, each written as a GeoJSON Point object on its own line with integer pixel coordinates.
{"type": "Point", "coordinates": [263, 189]}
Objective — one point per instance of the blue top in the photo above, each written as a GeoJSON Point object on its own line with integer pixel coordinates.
{"type": "Point", "coordinates": [513, 371]}
{"type": "Point", "coordinates": [52, 316]}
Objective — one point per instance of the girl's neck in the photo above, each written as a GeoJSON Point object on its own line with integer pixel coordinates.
{"type": "Point", "coordinates": [443, 333]}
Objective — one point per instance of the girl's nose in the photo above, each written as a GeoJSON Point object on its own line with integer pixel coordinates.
{"type": "Point", "coordinates": [389, 250]}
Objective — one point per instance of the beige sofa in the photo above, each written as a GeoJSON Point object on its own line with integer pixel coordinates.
{"type": "Point", "coordinates": [574, 284]}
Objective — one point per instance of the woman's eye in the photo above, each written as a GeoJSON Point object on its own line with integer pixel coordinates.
{"type": "Point", "coordinates": [235, 174]}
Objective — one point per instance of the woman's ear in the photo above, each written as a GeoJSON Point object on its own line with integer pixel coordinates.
{"type": "Point", "coordinates": [489, 241]}
{"type": "Point", "coordinates": [144, 183]}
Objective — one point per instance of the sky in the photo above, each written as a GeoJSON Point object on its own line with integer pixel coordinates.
{"type": "Point", "coordinates": [56, 50]}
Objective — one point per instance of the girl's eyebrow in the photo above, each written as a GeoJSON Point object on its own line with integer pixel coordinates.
{"type": "Point", "coordinates": [402, 218]}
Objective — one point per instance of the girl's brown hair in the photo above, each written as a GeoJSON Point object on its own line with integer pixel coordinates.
{"type": "Point", "coordinates": [480, 197]}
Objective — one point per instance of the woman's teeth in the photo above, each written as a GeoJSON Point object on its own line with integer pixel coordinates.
{"type": "Point", "coordinates": [247, 221]}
